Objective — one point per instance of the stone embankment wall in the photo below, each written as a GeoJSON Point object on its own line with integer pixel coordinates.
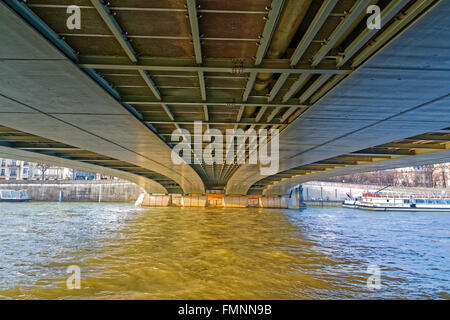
{"type": "Point", "coordinates": [78, 190]}
{"type": "Point", "coordinates": [314, 193]}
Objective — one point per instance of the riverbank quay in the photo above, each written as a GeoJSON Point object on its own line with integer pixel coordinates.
{"type": "Point", "coordinates": [76, 190]}
{"type": "Point", "coordinates": [314, 194]}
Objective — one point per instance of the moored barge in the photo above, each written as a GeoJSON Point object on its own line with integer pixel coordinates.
{"type": "Point", "coordinates": [14, 196]}
{"type": "Point", "coordinates": [383, 201]}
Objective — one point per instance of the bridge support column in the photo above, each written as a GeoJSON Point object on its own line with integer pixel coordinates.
{"type": "Point", "coordinates": [235, 201]}
{"type": "Point", "coordinates": [273, 202]}
{"type": "Point", "coordinates": [295, 199]}
{"type": "Point", "coordinates": [156, 200]}
{"type": "Point", "coordinates": [301, 200]}
{"type": "Point", "coordinates": [194, 201]}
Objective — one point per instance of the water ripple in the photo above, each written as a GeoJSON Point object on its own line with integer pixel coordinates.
{"type": "Point", "coordinates": [187, 253]}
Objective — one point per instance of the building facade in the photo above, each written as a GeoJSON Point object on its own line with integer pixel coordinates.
{"type": "Point", "coordinates": [17, 170]}
{"type": "Point", "coordinates": [22, 170]}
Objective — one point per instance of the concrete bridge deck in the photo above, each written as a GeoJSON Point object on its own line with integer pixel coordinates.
{"type": "Point", "coordinates": [346, 98]}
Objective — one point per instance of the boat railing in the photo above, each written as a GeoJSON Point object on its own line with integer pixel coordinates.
{"type": "Point", "coordinates": [405, 195]}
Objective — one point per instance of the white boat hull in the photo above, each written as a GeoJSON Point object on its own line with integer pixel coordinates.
{"type": "Point", "coordinates": [410, 209]}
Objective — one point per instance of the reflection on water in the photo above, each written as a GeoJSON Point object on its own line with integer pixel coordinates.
{"type": "Point", "coordinates": [187, 253]}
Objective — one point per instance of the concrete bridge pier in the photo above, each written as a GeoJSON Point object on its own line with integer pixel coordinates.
{"type": "Point", "coordinates": [156, 200]}
{"type": "Point", "coordinates": [295, 199]}
{"type": "Point", "coordinates": [292, 200]}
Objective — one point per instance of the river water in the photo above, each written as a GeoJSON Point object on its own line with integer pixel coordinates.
{"type": "Point", "coordinates": [125, 252]}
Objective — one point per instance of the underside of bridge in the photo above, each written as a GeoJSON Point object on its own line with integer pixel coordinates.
{"type": "Point", "coordinates": [345, 97]}
{"type": "Point", "coordinates": [20, 145]}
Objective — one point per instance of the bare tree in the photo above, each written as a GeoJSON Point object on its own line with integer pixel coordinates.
{"type": "Point", "coordinates": [444, 169]}
{"type": "Point", "coordinates": [419, 176]}
{"type": "Point", "coordinates": [43, 168]}
{"type": "Point", "coordinates": [429, 171]}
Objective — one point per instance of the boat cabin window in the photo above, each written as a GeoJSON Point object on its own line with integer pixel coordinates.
{"type": "Point", "coordinates": [440, 201]}
{"type": "Point", "coordinates": [430, 201]}
{"type": "Point", "coordinates": [406, 201]}
{"type": "Point", "coordinates": [420, 201]}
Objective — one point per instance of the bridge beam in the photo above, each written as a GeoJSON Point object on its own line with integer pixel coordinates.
{"type": "Point", "coordinates": [72, 110]}
{"type": "Point", "coordinates": [147, 184]}
{"type": "Point", "coordinates": [396, 94]}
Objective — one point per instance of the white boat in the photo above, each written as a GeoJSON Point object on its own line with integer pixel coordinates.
{"type": "Point", "coordinates": [383, 201]}
{"type": "Point", "coordinates": [14, 196]}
